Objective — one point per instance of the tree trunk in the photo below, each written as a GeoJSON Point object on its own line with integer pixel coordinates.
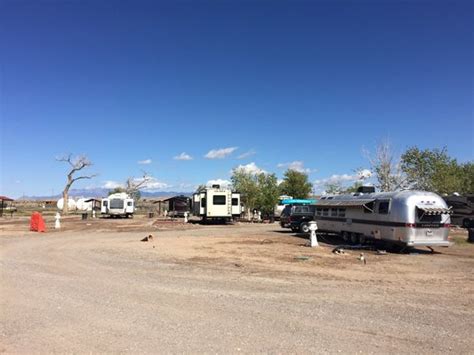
{"type": "Point", "coordinates": [66, 195]}
{"type": "Point", "coordinates": [65, 201]}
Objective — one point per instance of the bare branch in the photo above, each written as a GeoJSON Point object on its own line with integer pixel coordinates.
{"type": "Point", "coordinates": [386, 166]}
{"type": "Point", "coordinates": [135, 184]}
{"type": "Point", "coordinates": [85, 177]}
{"type": "Point", "coordinates": [78, 163]}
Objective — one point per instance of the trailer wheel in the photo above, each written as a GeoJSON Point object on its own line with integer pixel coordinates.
{"type": "Point", "coordinates": [345, 236]}
{"type": "Point", "coordinates": [354, 238]}
{"type": "Point", "coordinates": [304, 227]}
{"type": "Point", "coordinates": [466, 222]}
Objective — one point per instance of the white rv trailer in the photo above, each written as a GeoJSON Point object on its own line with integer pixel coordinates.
{"type": "Point", "coordinates": [216, 203]}
{"type": "Point", "coordinates": [118, 205]}
{"type": "Point", "coordinates": [408, 218]}
{"type": "Point", "coordinates": [280, 206]}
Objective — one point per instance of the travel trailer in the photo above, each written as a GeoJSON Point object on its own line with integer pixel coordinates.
{"type": "Point", "coordinates": [407, 218]}
{"type": "Point", "coordinates": [118, 205]}
{"type": "Point", "coordinates": [280, 206]}
{"type": "Point", "coordinates": [216, 203]}
{"type": "Point", "coordinates": [463, 209]}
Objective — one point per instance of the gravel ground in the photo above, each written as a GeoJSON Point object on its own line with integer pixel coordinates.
{"type": "Point", "coordinates": [94, 287]}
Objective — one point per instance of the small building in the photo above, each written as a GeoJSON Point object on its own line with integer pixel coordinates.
{"type": "Point", "coordinates": [175, 206]}
{"type": "Point", "coordinates": [95, 204]}
{"type": "Point", "coordinates": [6, 205]}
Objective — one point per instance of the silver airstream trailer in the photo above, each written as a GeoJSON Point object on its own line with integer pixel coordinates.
{"type": "Point", "coordinates": [408, 218]}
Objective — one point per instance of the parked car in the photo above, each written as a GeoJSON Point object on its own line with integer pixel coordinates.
{"type": "Point", "coordinates": [300, 217]}
{"type": "Point", "coordinates": [285, 216]}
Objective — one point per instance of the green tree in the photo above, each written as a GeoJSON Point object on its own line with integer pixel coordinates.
{"type": "Point", "coordinates": [268, 193]}
{"type": "Point", "coordinates": [336, 188]}
{"type": "Point", "coordinates": [354, 187]}
{"type": "Point", "coordinates": [467, 184]}
{"type": "Point", "coordinates": [246, 183]}
{"type": "Point", "coordinates": [296, 184]}
{"type": "Point", "coordinates": [434, 170]}
{"type": "Point", "coordinates": [116, 190]}
{"type": "Point", "coordinates": [333, 188]}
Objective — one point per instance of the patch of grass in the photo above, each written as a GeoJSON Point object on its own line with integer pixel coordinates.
{"type": "Point", "coordinates": [459, 239]}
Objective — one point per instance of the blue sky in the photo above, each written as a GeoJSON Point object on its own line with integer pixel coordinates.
{"type": "Point", "coordinates": [307, 83]}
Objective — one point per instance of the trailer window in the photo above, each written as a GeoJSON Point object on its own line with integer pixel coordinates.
{"type": "Point", "coordinates": [334, 212]}
{"type": "Point", "coordinates": [235, 201]}
{"type": "Point", "coordinates": [429, 218]}
{"type": "Point", "coordinates": [105, 203]}
{"type": "Point", "coordinates": [369, 207]}
{"type": "Point", "coordinates": [383, 207]}
{"type": "Point", "coordinates": [218, 199]}
{"type": "Point", "coordinates": [203, 202]}
{"type": "Point", "coordinates": [342, 212]}
{"type": "Point", "coordinates": [129, 203]}
{"type": "Point", "coordinates": [116, 204]}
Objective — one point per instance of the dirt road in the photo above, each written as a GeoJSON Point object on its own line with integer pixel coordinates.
{"type": "Point", "coordinates": [226, 289]}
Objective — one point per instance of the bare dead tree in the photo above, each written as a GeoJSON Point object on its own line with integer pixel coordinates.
{"type": "Point", "coordinates": [133, 185]}
{"type": "Point", "coordinates": [386, 166]}
{"type": "Point", "coordinates": [76, 164]}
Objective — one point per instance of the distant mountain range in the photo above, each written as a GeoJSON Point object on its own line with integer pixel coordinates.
{"type": "Point", "coordinates": [101, 192]}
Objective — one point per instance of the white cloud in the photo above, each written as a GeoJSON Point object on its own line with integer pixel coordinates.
{"type": "Point", "coordinates": [220, 153]}
{"type": "Point", "coordinates": [296, 165]}
{"type": "Point", "coordinates": [361, 175]}
{"type": "Point", "coordinates": [183, 156]}
{"type": "Point", "coordinates": [364, 174]}
{"type": "Point", "coordinates": [110, 184]}
{"type": "Point", "coordinates": [220, 182]}
{"type": "Point", "coordinates": [152, 184]}
{"type": "Point", "coordinates": [187, 186]}
{"type": "Point", "coordinates": [247, 154]}
{"type": "Point", "coordinates": [251, 168]}
{"type": "Point", "coordinates": [144, 162]}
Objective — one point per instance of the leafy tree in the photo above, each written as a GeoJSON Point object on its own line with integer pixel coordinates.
{"type": "Point", "coordinates": [116, 190]}
{"type": "Point", "coordinates": [354, 187]}
{"type": "Point", "coordinates": [268, 193]}
{"type": "Point", "coordinates": [246, 183]}
{"type": "Point", "coordinates": [434, 170]}
{"type": "Point", "coordinates": [337, 188]}
{"type": "Point", "coordinates": [333, 188]}
{"type": "Point", "coordinates": [422, 166]}
{"type": "Point", "coordinates": [467, 184]}
{"type": "Point", "coordinates": [296, 184]}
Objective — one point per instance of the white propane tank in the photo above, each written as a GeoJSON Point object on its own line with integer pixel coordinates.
{"type": "Point", "coordinates": [71, 204]}
{"type": "Point", "coordinates": [81, 204]}
{"type": "Point", "coordinates": [313, 241]}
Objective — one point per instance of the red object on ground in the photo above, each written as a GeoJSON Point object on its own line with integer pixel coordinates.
{"type": "Point", "coordinates": [37, 223]}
